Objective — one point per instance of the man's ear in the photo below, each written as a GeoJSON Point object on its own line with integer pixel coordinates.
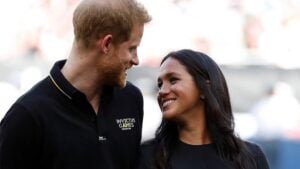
{"type": "Point", "coordinates": [105, 43]}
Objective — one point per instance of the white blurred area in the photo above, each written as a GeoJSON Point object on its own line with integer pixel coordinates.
{"type": "Point", "coordinates": [36, 33]}
{"type": "Point", "coordinates": [8, 95]}
{"type": "Point", "coordinates": [152, 113]}
{"type": "Point", "coordinates": [231, 31]}
{"type": "Point", "coordinates": [278, 113]}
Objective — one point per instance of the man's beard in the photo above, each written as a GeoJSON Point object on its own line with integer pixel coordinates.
{"type": "Point", "coordinates": [116, 77]}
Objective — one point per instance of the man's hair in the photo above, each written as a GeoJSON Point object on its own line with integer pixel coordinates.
{"type": "Point", "coordinates": [93, 19]}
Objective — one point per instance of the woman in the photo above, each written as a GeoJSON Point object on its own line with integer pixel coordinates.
{"type": "Point", "coordinates": [197, 130]}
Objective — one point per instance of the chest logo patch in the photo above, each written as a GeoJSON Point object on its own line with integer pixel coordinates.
{"type": "Point", "coordinates": [126, 123]}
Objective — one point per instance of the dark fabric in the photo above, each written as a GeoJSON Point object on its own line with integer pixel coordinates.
{"type": "Point", "coordinates": [53, 126]}
{"type": "Point", "coordinates": [186, 156]}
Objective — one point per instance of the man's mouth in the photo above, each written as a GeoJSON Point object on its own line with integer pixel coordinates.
{"type": "Point", "coordinates": [126, 70]}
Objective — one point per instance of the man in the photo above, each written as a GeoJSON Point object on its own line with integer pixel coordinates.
{"type": "Point", "coordinates": [83, 115]}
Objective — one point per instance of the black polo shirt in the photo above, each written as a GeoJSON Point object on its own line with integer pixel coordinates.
{"type": "Point", "coordinates": [53, 126]}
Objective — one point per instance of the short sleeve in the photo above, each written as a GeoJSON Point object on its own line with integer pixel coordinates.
{"type": "Point", "coordinates": [18, 139]}
{"type": "Point", "coordinates": [260, 158]}
{"type": "Point", "coordinates": [146, 157]}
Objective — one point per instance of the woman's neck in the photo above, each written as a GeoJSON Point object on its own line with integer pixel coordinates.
{"type": "Point", "coordinates": [194, 134]}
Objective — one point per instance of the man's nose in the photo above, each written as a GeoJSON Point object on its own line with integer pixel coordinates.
{"type": "Point", "coordinates": [135, 60]}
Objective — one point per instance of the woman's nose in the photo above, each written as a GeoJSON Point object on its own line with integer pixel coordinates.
{"type": "Point", "coordinates": [164, 89]}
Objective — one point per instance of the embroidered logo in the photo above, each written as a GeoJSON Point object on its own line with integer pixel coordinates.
{"type": "Point", "coordinates": [126, 123]}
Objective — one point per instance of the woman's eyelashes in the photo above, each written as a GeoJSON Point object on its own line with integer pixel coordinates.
{"type": "Point", "coordinates": [171, 80]}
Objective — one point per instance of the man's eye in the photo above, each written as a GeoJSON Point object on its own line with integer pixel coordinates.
{"type": "Point", "coordinates": [132, 49]}
{"type": "Point", "coordinates": [159, 84]}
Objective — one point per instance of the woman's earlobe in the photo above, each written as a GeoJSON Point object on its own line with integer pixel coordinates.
{"type": "Point", "coordinates": [202, 97]}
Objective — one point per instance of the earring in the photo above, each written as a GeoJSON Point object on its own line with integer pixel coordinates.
{"type": "Point", "coordinates": [202, 97]}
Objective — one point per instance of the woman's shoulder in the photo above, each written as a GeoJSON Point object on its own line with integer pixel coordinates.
{"type": "Point", "coordinates": [148, 149]}
{"type": "Point", "coordinates": [146, 156]}
{"type": "Point", "coordinates": [258, 154]}
{"type": "Point", "coordinates": [253, 148]}
{"type": "Point", "coordinates": [148, 145]}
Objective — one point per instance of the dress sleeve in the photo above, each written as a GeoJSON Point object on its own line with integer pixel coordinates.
{"type": "Point", "coordinates": [260, 158]}
{"type": "Point", "coordinates": [146, 157]}
{"type": "Point", "coordinates": [18, 140]}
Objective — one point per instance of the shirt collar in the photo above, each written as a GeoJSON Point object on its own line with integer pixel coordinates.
{"type": "Point", "coordinates": [66, 88]}
{"type": "Point", "coordinates": [60, 82]}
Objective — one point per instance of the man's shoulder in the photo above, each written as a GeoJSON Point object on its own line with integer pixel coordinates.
{"type": "Point", "coordinates": [36, 95]}
{"type": "Point", "coordinates": [30, 103]}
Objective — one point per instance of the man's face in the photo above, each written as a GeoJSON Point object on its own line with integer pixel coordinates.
{"type": "Point", "coordinates": [123, 57]}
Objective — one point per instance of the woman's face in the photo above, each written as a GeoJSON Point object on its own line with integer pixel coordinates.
{"type": "Point", "coordinates": [178, 97]}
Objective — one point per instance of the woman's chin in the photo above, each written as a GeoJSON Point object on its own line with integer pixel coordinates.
{"type": "Point", "coordinates": [168, 115]}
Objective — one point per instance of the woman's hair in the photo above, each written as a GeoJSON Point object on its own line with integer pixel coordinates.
{"type": "Point", "coordinates": [219, 118]}
{"type": "Point", "coordinates": [93, 19]}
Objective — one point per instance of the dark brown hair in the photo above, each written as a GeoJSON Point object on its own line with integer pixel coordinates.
{"type": "Point", "coordinates": [218, 112]}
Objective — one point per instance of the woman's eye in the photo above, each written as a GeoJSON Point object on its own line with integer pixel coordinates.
{"type": "Point", "coordinates": [173, 80]}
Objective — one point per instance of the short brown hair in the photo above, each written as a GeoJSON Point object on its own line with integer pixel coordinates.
{"type": "Point", "coordinates": [95, 18]}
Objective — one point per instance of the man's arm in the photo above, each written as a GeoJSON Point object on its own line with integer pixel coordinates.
{"type": "Point", "coordinates": [19, 145]}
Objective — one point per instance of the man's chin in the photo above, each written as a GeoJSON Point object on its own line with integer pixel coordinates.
{"type": "Point", "coordinates": [121, 81]}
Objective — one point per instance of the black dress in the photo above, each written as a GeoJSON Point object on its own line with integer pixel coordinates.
{"type": "Point", "coordinates": [185, 156]}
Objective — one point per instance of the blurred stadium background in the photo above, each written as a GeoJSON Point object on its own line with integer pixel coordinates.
{"type": "Point", "coordinates": [256, 43]}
